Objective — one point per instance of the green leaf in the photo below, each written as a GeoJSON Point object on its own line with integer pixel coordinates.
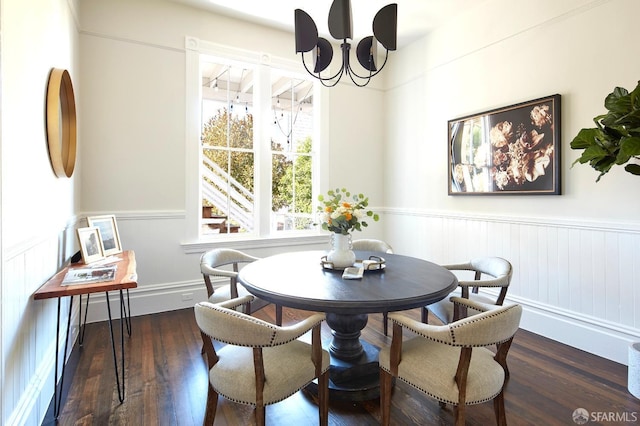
{"type": "Point", "coordinates": [584, 138]}
{"type": "Point", "coordinates": [594, 152]}
{"type": "Point", "coordinates": [619, 101]}
{"type": "Point", "coordinates": [599, 118]}
{"type": "Point", "coordinates": [603, 165]}
{"type": "Point", "coordinates": [629, 120]}
{"type": "Point", "coordinates": [634, 169]}
{"type": "Point", "coordinates": [629, 147]}
{"type": "Point", "coordinates": [613, 133]}
{"type": "Point", "coordinates": [635, 96]}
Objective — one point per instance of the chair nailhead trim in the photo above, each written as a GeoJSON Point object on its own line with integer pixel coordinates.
{"type": "Point", "coordinates": [452, 330]}
{"type": "Point", "coordinates": [446, 401]}
{"type": "Point", "coordinates": [274, 328]}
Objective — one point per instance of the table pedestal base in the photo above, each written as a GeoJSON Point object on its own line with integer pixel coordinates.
{"type": "Point", "coordinates": [346, 329]}
{"type": "Point", "coordinates": [354, 374]}
{"type": "Point", "coordinates": [357, 380]}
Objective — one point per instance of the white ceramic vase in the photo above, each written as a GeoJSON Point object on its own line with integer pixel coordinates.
{"type": "Point", "coordinates": [341, 255]}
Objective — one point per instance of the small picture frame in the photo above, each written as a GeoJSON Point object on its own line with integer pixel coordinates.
{"type": "Point", "coordinates": [90, 247]}
{"type": "Point", "coordinates": [109, 233]}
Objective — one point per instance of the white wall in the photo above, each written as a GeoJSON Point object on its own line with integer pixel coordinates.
{"type": "Point", "coordinates": [135, 155]}
{"type": "Point", "coordinates": [573, 254]}
{"type": "Point", "coordinates": [38, 210]}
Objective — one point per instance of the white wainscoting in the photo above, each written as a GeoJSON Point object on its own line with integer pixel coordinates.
{"type": "Point", "coordinates": [578, 281]}
{"type": "Point", "coordinates": [29, 328]}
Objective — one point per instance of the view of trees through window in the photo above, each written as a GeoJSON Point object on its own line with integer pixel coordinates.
{"type": "Point", "coordinates": [229, 179]}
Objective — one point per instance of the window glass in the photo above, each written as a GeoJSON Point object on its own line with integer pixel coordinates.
{"type": "Point", "coordinates": [230, 150]}
{"type": "Point", "coordinates": [292, 152]}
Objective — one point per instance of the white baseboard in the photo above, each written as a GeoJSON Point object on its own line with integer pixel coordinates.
{"type": "Point", "coordinates": [591, 335]}
{"type": "Point", "coordinates": [150, 300]}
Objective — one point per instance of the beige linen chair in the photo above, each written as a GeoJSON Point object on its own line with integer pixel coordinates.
{"type": "Point", "coordinates": [261, 363]}
{"type": "Point", "coordinates": [212, 264]}
{"type": "Point", "coordinates": [450, 362]}
{"type": "Point", "coordinates": [497, 268]}
{"type": "Point", "coordinates": [368, 244]}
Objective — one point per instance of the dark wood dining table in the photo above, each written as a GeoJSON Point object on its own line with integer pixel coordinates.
{"type": "Point", "coordinates": [301, 280]}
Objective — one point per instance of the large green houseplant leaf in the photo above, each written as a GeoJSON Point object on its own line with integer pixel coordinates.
{"type": "Point", "coordinates": [616, 139]}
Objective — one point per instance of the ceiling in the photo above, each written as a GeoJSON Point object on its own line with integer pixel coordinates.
{"type": "Point", "coordinates": [415, 17]}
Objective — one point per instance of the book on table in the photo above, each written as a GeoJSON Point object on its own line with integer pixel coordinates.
{"type": "Point", "coordinates": [89, 275]}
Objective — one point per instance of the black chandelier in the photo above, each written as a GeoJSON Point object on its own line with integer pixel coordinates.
{"type": "Point", "coordinates": [340, 24]}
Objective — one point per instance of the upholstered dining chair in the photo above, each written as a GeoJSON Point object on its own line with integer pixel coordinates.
{"type": "Point", "coordinates": [451, 362]}
{"type": "Point", "coordinates": [490, 272]}
{"type": "Point", "coordinates": [214, 263]}
{"type": "Point", "coordinates": [260, 363]}
{"type": "Point", "coordinates": [369, 244]}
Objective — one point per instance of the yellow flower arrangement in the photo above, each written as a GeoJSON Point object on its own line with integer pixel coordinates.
{"type": "Point", "coordinates": [341, 212]}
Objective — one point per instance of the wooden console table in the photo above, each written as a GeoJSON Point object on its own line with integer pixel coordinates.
{"type": "Point", "coordinates": [125, 278]}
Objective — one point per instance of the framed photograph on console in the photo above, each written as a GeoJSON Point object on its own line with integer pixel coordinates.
{"type": "Point", "coordinates": [90, 247]}
{"type": "Point", "coordinates": [109, 233]}
{"type": "Point", "coordinates": [510, 150]}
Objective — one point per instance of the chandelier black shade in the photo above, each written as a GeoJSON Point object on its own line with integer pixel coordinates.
{"type": "Point", "coordinates": [385, 28]}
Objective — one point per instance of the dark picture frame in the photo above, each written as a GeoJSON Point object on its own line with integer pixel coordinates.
{"type": "Point", "coordinates": [110, 238]}
{"type": "Point", "coordinates": [509, 150]}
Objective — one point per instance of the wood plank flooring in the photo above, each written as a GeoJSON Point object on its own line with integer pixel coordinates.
{"type": "Point", "coordinates": [166, 383]}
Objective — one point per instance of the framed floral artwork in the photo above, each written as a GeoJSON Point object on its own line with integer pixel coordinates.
{"type": "Point", "coordinates": [110, 238]}
{"type": "Point", "coordinates": [510, 150]}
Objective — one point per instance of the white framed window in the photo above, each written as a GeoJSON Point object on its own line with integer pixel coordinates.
{"type": "Point", "coordinates": [256, 123]}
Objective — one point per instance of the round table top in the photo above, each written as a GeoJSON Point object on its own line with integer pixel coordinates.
{"type": "Point", "coordinates": [298, 280]}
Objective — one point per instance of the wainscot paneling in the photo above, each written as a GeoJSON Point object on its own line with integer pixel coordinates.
{"type": "Point", "coordinates": [169, 269]}
{"type": "Point", "coordinates": [29, 328]}
{"type": "Point", "coordinates": [578, 281]}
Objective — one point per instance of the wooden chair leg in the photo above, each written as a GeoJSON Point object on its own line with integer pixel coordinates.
{"type": "Point", "coordinates": [385, 397]}
{"type": "Point", "coordinates": [459, 414]}
{"type": "Point", "coordinates": [498, 408]}
{"type": "Point", "coordinates": [212, 405]}
{"type": "Point", "coordinates": [385, 315]}
{"type": "Point", "coordinates": [323, 398]}
{"type": "Point", "coordinates": [260, 415]}
{"type": "Point", "coordinates": [278, 315]}
{"type": "Point", "coordinates": [424, 315]}
{"type": "Point", "coordinates": [501, 356]}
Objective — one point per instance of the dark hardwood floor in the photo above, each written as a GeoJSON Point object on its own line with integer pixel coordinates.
{"type": "Point", "coordinates": [166, 383]}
